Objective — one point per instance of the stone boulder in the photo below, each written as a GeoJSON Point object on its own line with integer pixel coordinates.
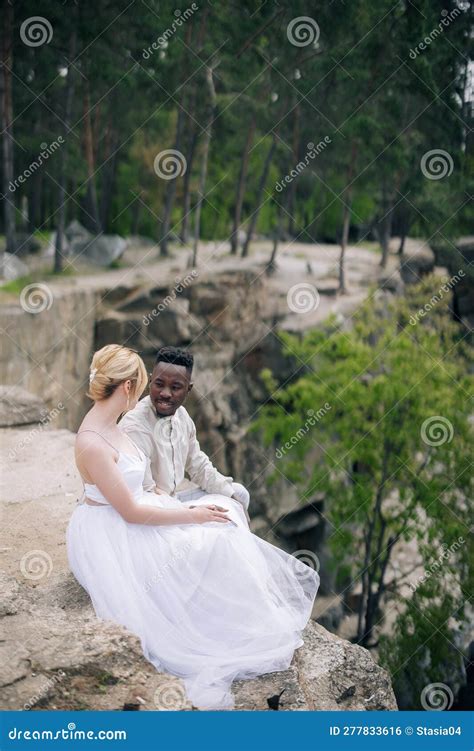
{"type": "Point", "coordinates": [101, 250]}
{"type": "Point", "coordinates": [56, 654]}
{"type": "Point", "coordinates": [13, 267]}
{"type": "Point", "coordinates": [19, 407]}
{"type": "Point", "coordinates": [104, 249]}
{"type": "Point", "coordinates": [417, 260]}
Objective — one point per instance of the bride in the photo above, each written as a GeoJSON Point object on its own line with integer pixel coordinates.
{"type": "Point", "coordinates": [210, 601]}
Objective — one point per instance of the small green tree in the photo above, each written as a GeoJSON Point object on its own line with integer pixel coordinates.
{"type": "Point", "coordinates": [396, 436]}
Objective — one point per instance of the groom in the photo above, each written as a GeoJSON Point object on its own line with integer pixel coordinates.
{"type": "Point", "coordinates": [165, 432]}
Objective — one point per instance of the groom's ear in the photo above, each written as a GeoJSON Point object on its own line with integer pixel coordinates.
{"type": "Point", "coordinates": [190, 385]}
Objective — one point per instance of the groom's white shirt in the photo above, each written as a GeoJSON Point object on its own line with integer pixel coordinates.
{"type": "Point", "coordinates": [172, 449]}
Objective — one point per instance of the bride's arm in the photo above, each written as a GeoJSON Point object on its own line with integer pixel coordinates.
{"type": "Point", "coordinates": [102, 468]}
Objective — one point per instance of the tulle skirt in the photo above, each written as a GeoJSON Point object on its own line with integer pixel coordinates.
{"type": "Point", "coordinates": [211, 603]}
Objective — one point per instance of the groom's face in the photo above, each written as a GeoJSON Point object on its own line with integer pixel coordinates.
{"type": "Point", "coordinates": [169, 386]}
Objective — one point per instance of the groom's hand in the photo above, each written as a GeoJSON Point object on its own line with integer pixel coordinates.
{"type": "Point", "coordinates": [216, 508]}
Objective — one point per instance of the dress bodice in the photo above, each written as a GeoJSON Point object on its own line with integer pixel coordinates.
{"type": "Point", "coordinates": [132, 468]}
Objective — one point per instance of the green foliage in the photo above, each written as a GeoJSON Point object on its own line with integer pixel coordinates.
{"type": "Point", "coordinates": [382, 108]}
{"type": "Point", "coordinates": [396, 439]}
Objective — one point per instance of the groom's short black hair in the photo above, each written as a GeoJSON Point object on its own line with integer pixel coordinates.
{"type": "Point", "coordinates": [176, 356]}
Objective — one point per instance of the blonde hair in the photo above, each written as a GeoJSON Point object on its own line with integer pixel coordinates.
{"type": "Point", "coordinates": [111, 366]}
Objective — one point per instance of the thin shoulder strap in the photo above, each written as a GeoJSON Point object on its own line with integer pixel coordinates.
{"type": "Point", "coordinates": [87, 430]}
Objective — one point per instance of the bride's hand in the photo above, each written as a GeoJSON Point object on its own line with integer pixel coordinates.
{"type": "Point", "coordinates": [213, 513]}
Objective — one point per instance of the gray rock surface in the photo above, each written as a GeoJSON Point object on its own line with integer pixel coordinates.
{"type": "Point", "coordinates": [19, 407]}
{"type": "Point", "coordinates": [417, 260]}
{"type": "Point", "coordinates": [56, 654]}
{"type": "Point", "coordinates": [13, 267]}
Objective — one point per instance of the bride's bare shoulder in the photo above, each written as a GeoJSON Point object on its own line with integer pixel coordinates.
{"type": "Point", "coordinates": [89, 442]}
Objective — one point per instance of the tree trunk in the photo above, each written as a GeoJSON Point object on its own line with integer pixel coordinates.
{"type": "Point", "coordinates": [385, 235]}
{"type": "Point", "coordinates": [171, 184]}
{"type": "Point", "coordinates": [69, 96]}
{"type": "Point", "coordinates": [92, 203]}
{"type": "Point", "coordinates": [136, 207]}
{"type": "Point", "coordinates": [171, 188]}
{"type": "Point", "coordinates": [234, 239]}
{"type": "Point", "coordinates": [292, 186]}
{"type": "Point", "coordinates": [187, 184]}
{"type": "Point", "coordinates": [346, 218]}
{"type": "Point", "coordinates": [205, 157]}
{"type": "Point", "coordinates": [346, 221]}
{"type": "Point", "coordinates": [385, 223]}
{"type": "Point", "coordinates": [6, 108]}
{"type": "Point", "coordinates": [271, 267]}
{"type": "Point", "coordinates": [376, 523]}
{"type": "Point", "coordinates": [261, 188]}
{"type": "Point", "coordinates": [109, 171]}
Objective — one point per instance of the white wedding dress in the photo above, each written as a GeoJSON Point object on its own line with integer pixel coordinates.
{"type": "Point", "coordinates": [211, 602]}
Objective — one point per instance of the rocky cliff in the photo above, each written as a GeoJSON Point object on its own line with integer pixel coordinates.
{"type": "Point", "coordinates": [55, 654]}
